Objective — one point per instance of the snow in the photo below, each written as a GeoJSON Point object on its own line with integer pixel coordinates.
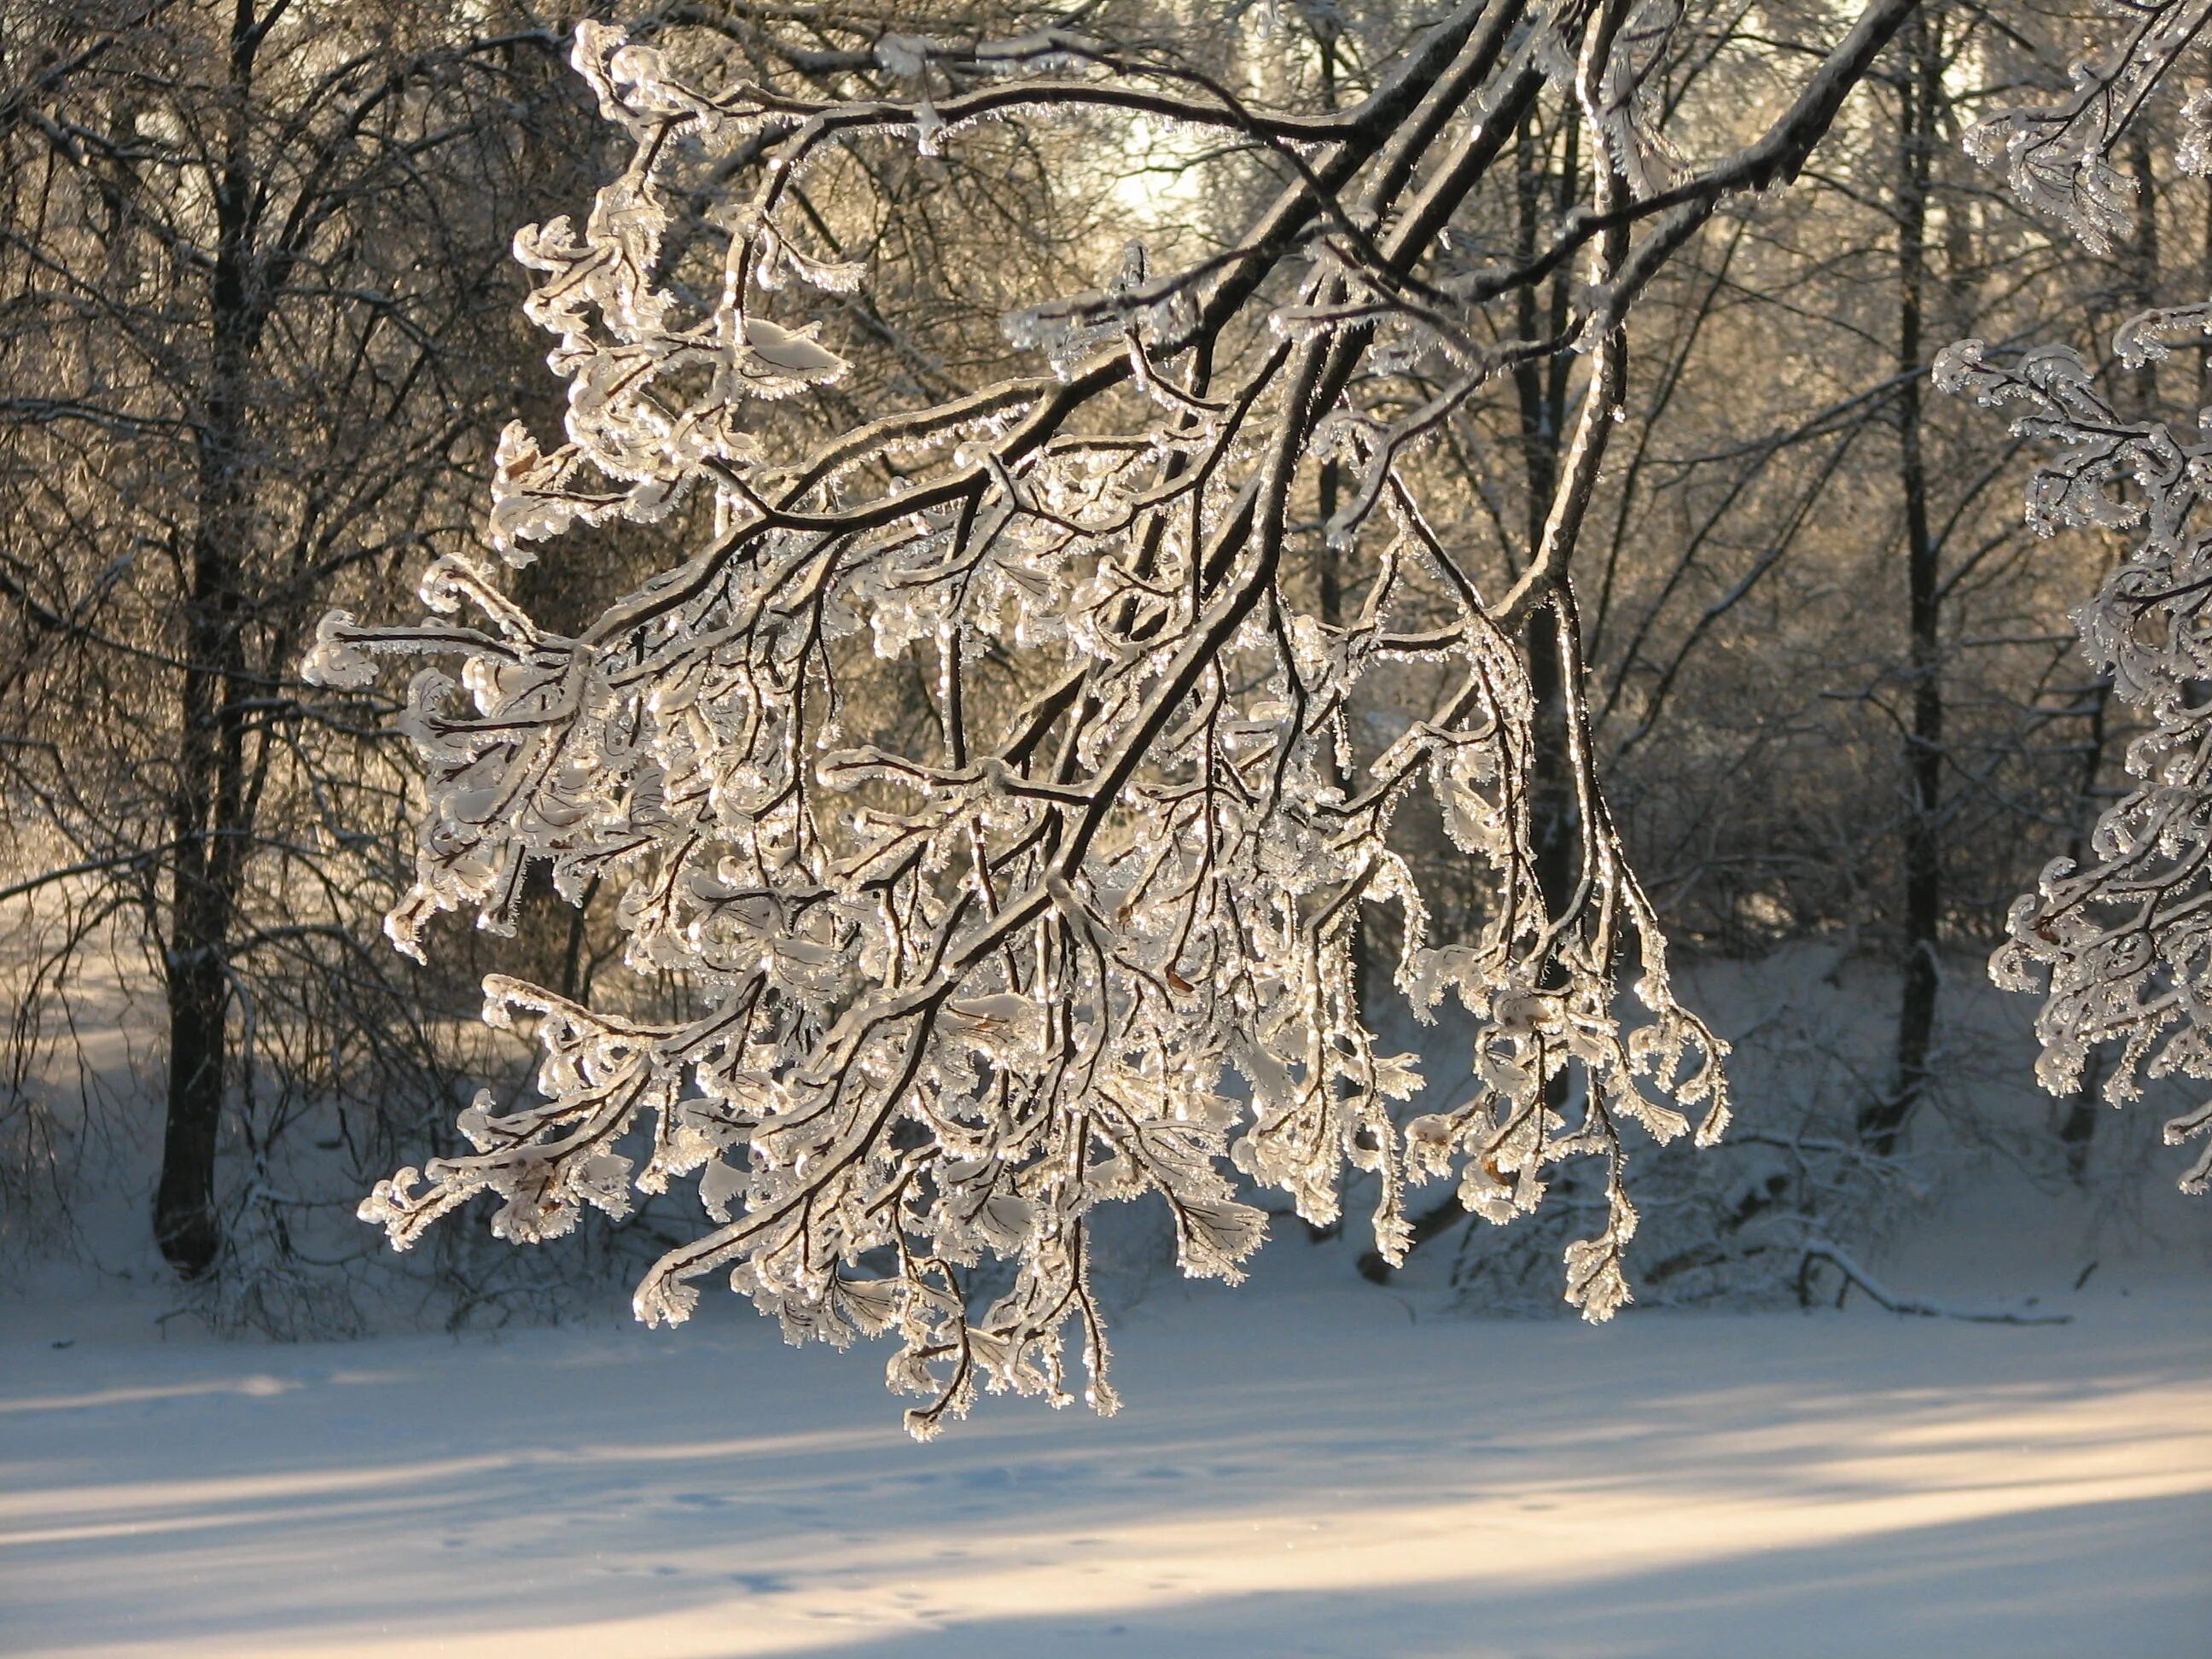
{"type": "Point", "coordinates": [1307, 1466]}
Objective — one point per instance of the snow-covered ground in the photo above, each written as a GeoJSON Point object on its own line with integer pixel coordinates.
{"type": "Point", "coordinates": [1308, 1466]}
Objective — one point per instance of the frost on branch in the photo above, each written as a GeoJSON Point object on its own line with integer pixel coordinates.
{"type": "Point", "coordinates": [2123, 938]}
{"type": "Point", "coordinates": [2058, 156]}
{"type": "Point", "coordinates": [1090, 938]}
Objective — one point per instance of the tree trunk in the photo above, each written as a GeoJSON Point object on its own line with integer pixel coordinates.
{"type": "Point", "coordinates": [185, 1224]}
{"type": "Point", "coordinates": [1881, 1121]}
{"type": "Point", "coordinates": [209, 810]}
{"type": "Point", "coordinates": [208, 817]}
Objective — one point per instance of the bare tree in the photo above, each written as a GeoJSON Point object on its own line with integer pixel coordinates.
{"type": "Point", "coordinates": [248, 285]}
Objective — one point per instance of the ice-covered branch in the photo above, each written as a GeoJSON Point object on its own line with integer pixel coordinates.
{"type": "Point", "coordinates": [2058, 156]}
{"type": "Point", "coordinates": [2122, 937]}
{"type": "Point", "coordinates": [1087, 932]}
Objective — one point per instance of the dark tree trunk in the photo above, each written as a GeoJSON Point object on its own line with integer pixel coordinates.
{"type": "Point", "coordinates": [208, 808]}
{"type": "Point", "coordinates": [1541, 392]}
{"type": "Point", "coordinates": [1883, 1122]}
{"type": "Point", "coordinates": [1328, 577]}
{"type": "Point", "coordinates": [207, 818]}
{"type": "Point", "coordinates": [1328, 574]}
{"type": "Point", "coordinates": [185, 1224]}
{"type": "Point", "coordinates": [210, 823]}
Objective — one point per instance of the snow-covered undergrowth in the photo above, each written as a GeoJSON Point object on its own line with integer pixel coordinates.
{"type": "Point", "coordinates": [1811, 1025]}
{"type": "Point", "coordinates": [1308, 1466]}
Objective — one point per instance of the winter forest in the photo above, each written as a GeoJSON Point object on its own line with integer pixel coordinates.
{"type": "Point", "coordinates": [1453, 759]}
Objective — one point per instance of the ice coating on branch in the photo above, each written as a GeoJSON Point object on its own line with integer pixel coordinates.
{"type": "Point", "coordinates": [2058, 156]}
{"type": "Point", "coordinates": [338, 659]}
{"type": "Point", "coordinates": [1619, 102]}
{"type": "Point", "coordinates": [1086, 936]}
{"type": "Point", "coordinates": [2119, 945]}
{"type": "Point", "coordinates": [1070, 332]}
{"type": "Point", "coordinates": [2193, 154]}
{"type": "Point", "coordinates": [660, 389]}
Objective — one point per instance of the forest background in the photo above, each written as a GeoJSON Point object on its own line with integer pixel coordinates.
{"type": "Point", "coordinates": [259, 329]}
